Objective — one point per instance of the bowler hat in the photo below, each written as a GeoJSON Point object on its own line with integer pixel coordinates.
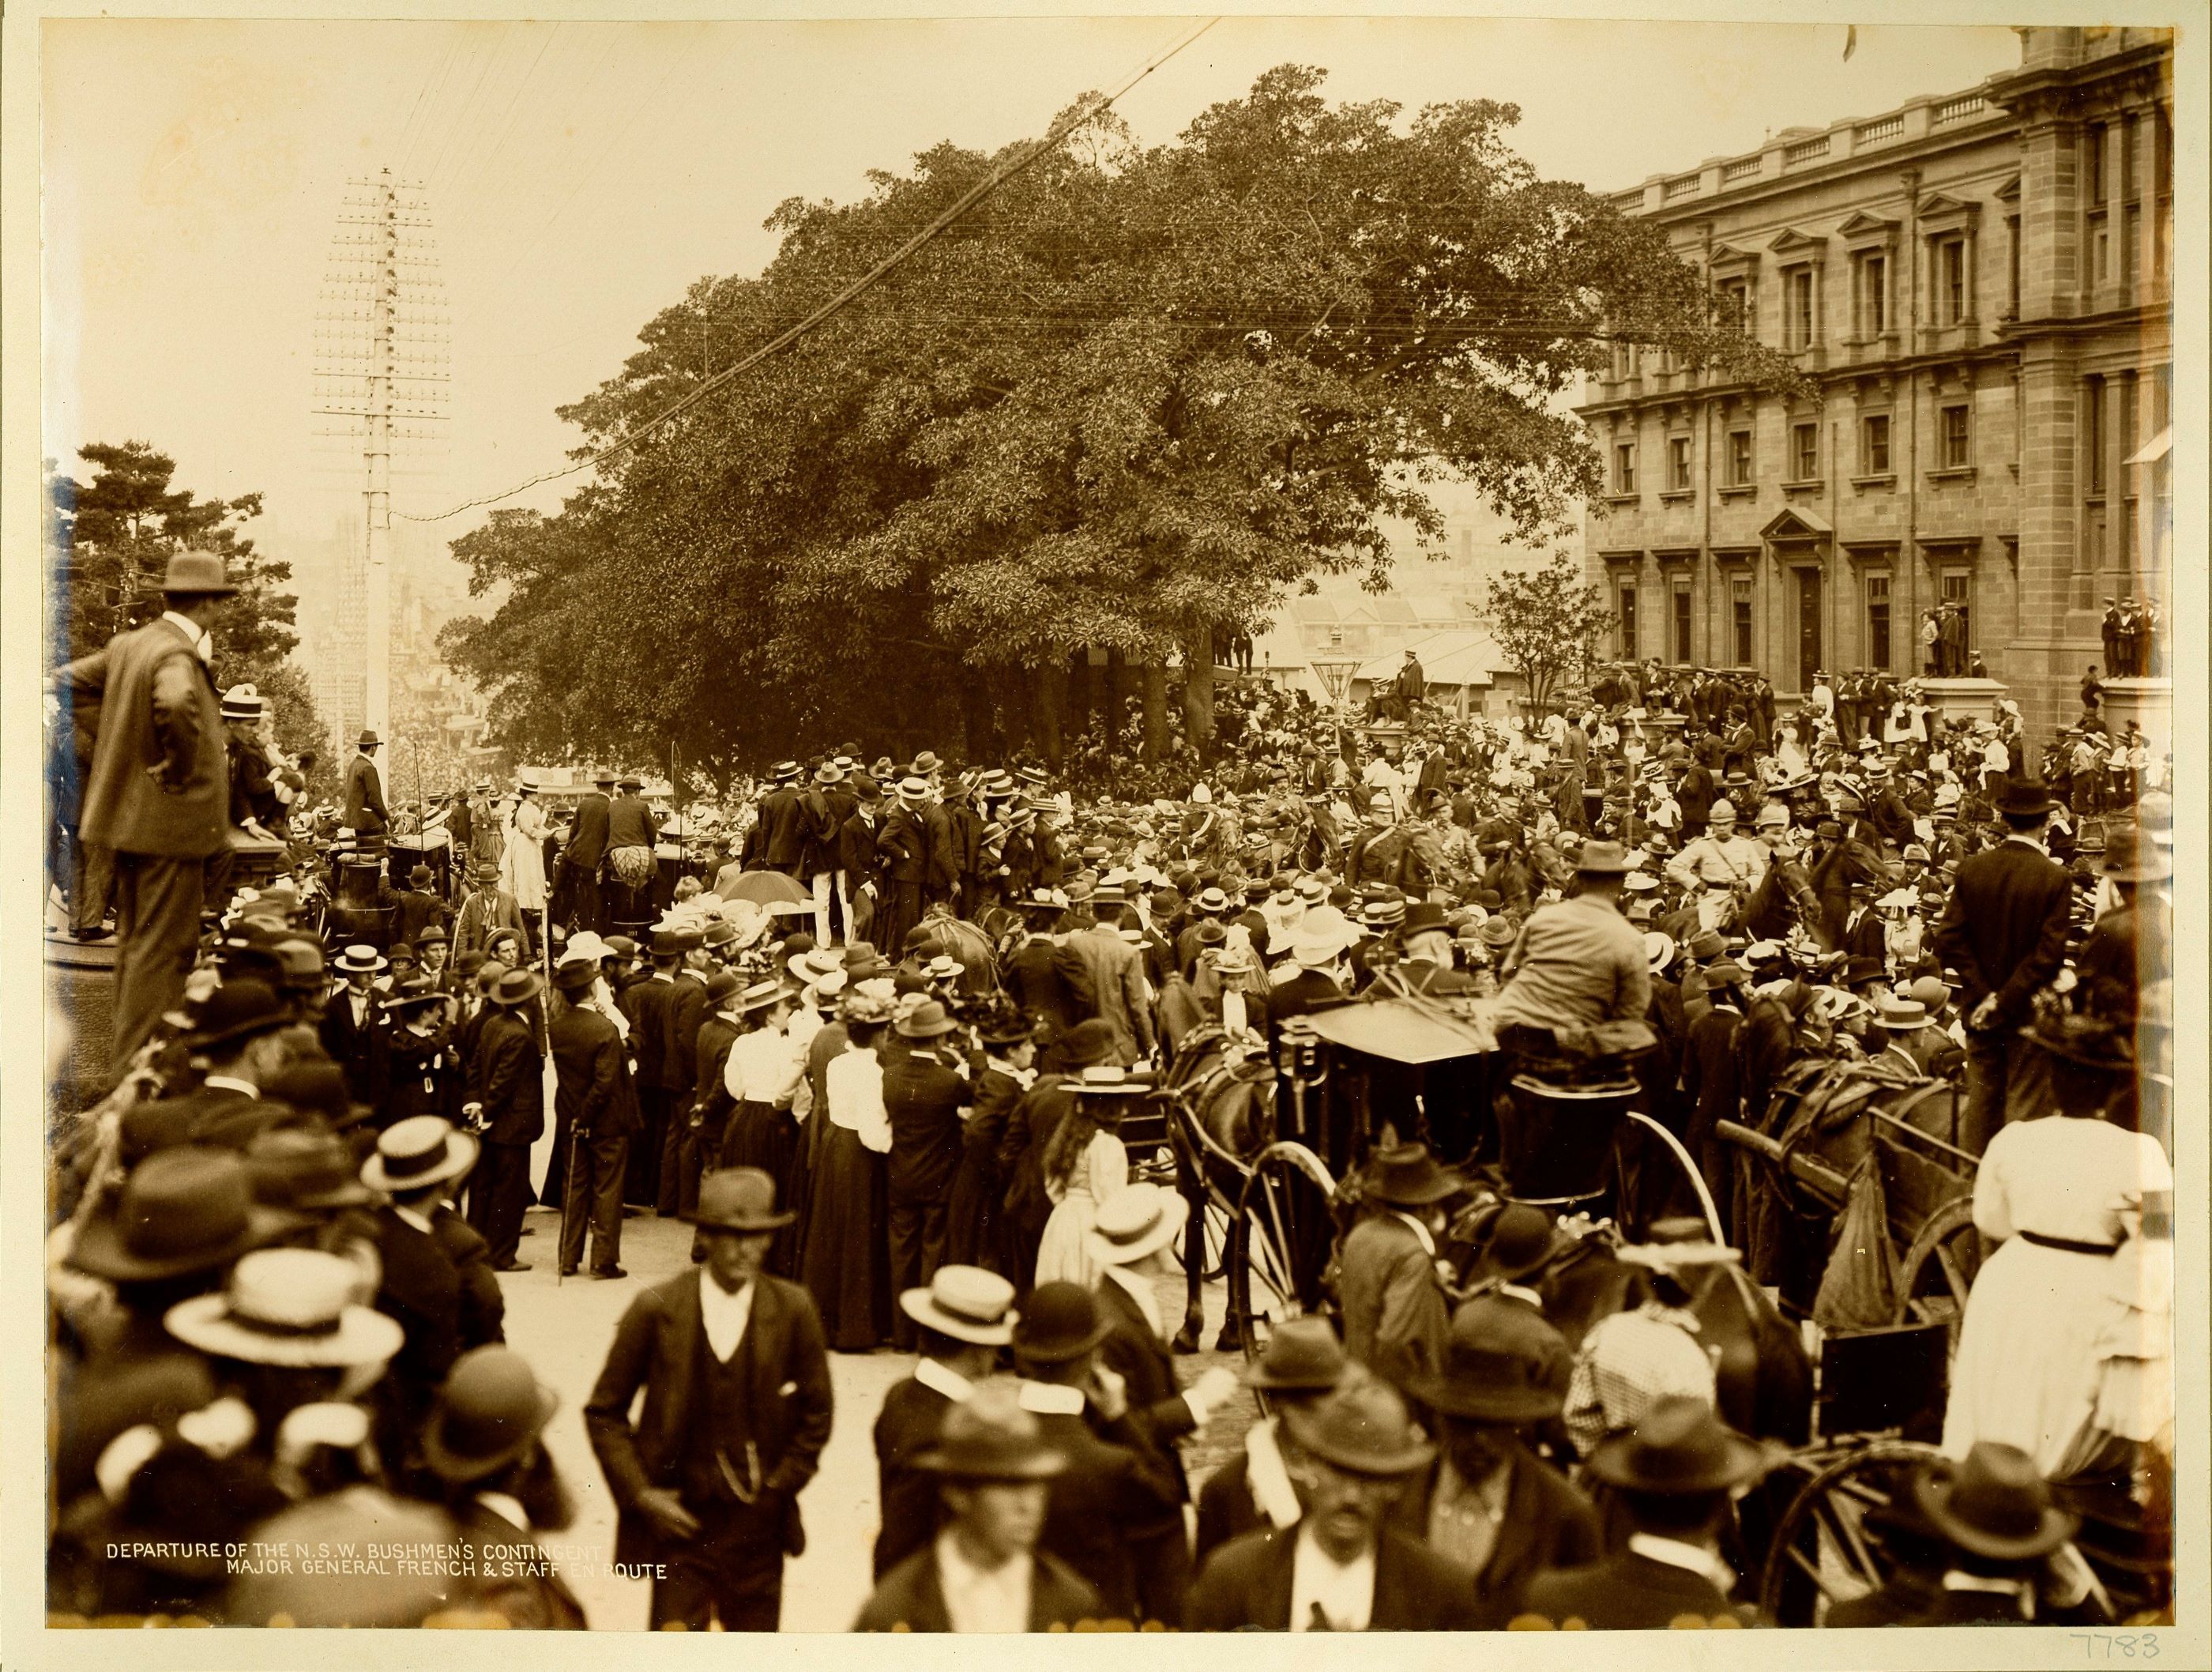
{"type": "Point", "coordinates": [420, 1150]}
{"type": "Point", "coordinates": [741, 1199]}
{"type": "Point", "coordinates": [1302, 1355]}
{"type": "Point", "coordinates": [987, 1435]}
{"type": "Point", "coordinates": [237, 1010]}
{"type": "Point", "coordinates": [1502, 1362]}
{"type": "Point", "coordinates": [491, 1409]}
{"type": "Point", "coordinates": [369, 739]}
{"type": "Point", "coordinates": [1059, 1323]}
{"type": "Point", "coordinates": [182, 1209]}
{"type": "Point", "coordinates": [1085, 1045]}
{"type": "Point", "coordinates": [298, 1167]}
{"type": "Point", "coordinates": [317, 1087]}
{"type": "Point", "coordinates": [1422, 916]}
{"type": "Point", "coordinates": [2024, 798]}
{"type": "Point", "coordinates": [196, 572]}
{"type": "Point", "coordinates": [966, 1303]}
{"type": "Point", "coordinates": [1519, 1242]}
{"type": "Point", "coordinates": [1679, 1447]}
{"type": "Point", "coordinates": [719, 986]}
{"type": "Point", "coordinates": [575, 975]}
{"type": "Point", "coordinates": [1407, 1176]}
{"type": "Point", "coordinates": [1363, 1428]}
{"type": "Point", "coordinates": [1993, 1503]}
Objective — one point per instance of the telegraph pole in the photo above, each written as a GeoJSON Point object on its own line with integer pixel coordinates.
{"type": "Point", "coordinates": [380, 370]}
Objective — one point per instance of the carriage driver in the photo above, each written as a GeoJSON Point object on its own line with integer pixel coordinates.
{"type": "Point", "coordinates": [1579, 961]}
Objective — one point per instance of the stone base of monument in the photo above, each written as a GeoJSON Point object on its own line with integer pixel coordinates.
{"type": "Point", "coordinates": [1964, 698]}
{"type": "Point", "coordinates": [2148, 702]}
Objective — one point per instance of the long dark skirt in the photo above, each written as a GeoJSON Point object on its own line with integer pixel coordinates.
{"type": "Point", "coordinates": [972, 1234]}
{"type": "Point", "coordinates": [846, 1262]}
{"type": "Point", "coordinates": [762, 1135]}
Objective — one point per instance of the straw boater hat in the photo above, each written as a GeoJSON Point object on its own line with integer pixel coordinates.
{"type": "Point", "coordinates": [1137, 1221]}
{"type": "Point", "coordinates": [242, 702]}
{"type": "Point", "coordinates": [291, 1307]}
{"type": "Point", "coordinates": [421, 1150]}
{"type": "Point", "coordinates": [966, 1303]}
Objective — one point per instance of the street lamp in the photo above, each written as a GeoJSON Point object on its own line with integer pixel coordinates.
{"type": "Point", "coordinates": [1335, 673]}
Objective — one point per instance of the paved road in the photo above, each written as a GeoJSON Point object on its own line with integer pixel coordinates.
{"type": "Point", "coordinates": [564, 1328]}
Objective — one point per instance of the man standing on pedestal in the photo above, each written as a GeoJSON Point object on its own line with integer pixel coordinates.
{"type": "Point", "coordinates": [158, 792]}
{"type": "Point", "coordinates": [737, 1410]}
{"type": "Point", "coordinates": [365, 812]}
{"type": "Point", "coordinates": [586, 852]}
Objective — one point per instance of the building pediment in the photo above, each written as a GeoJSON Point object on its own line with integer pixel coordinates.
{"type": "Point", "coordinates": [1796, 524]}
{"type": "Point", "coordinates": [1794, 245]}
{"type": "Point", "coordinates": [2009, 192]}
{"type": "Point", "coordinates": [1864, 228]}
{"type": "Point", "coordinates": [1941, 213]}
{"type": "Point", "coordinates": [1726, 256]}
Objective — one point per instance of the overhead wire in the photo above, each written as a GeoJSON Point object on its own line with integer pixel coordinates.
{"type": "Point", "coordinates": [998, 176]}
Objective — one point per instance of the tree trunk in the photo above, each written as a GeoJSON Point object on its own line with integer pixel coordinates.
{"type": "Point", "coordinates": [1152, 678]}
{"type": "Point", "coordinates": [1198, 692]}
{"type": "Point", "coordinates": [1010, 688]}
{"type": "Point", "coordinates": [1051, 686]}
{"type": "Point", "coordinates": [1121, 687]}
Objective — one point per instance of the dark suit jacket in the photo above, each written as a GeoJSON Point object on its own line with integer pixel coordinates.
{"type": "Point", "coordinates": [710, 1096]}
{"type": "Point", "coordinates": [911, 1597]}
{"type": "Point", "coordinates": [856, 849]}
{"type": "Point", "coordinates": [420, 1288]}
{"type": "Point", "coordinates": [510, 1079]}
{"type": "Point", "coordinates": [1021, 1154]}
{"type": "Point", "coordinates": [1033, 979]}
{"type": "Point", "coordinates": [1625, 1592]}
{"type": "Point", "coordinates": [940, 852]}
{"type": "Point", "coordinates": [214, 1116]}
{"type": "Point", "coordinates": [783, 820]}
{"type": "Point", "coordinates": [587, 835]}
{"type": "Point", "coordinates": [587, 1067]}
{"type": "Point", "coordinates": [1547, 1525]}
{"type": "Point", "coordinates": [418, 910]}
{"type": "Point", "coordinates": [160, 779]}
{"type": "Point", "coordinates": [903, 851]}
{"type": "Point", "coordinates": [656, 1349]}
{"type": "Point", "coordinates": [1133, 1352]}
{"type": "Point", "coordinates": [507, 1580]}
{"type": "Point", "coordinates": [1105, 979]}
{"type": "Point", "coordinates": [364, 1051]}
{"type": "Point", "coordinates": [906, 1428]}
{"type": "Point", "coordinates": [1394, 1316]}
{"type": "Point", "coordinates": [645, 1001]}
{"type": "Point", "coordinates": [483, 1319]}
{"type": "Point", "coordinates": [1303, 993]}
{"type": "Point", "coordinates": [2004, 928]}
{"type": "Point", "coordinates": [923, 1098]}
{"type": "Point", "coordinates": [364, 795]}
{"type": "Point", "coordinates": [1246, 1586]}
{"type": "Point", "coordinates": [630, 823]}
{"type": "Point", "coordinates": [679, 1047]}
{"type": "Point", "coordinates": [1114, 1482]}
{"type": "Point", "coordinates": [1710, 1085]}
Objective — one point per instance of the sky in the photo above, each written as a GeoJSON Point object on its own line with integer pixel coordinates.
{"type": "Point", "coordinates": [580, 177]}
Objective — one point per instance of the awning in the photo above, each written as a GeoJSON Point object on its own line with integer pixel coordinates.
{"type": "Point", "coordinates": [1394, 1029]}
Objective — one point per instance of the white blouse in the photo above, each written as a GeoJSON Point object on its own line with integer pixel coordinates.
{"type": "Point", "coordinates": [2066, 1177]}
{"type": "Point", "coordinates": [854, 1082]}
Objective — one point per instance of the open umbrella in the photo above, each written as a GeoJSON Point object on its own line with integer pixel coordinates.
{"type": "Point", "coordinates": [769, 889]}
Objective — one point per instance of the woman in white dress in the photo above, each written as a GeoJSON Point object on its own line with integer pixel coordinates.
{"type": "Point", "coordinates": [522, 861]}
{"type": "Point", "coordinates": [2064, 1351]}
{"type": "Point", "coordinates": [1084, 1164]}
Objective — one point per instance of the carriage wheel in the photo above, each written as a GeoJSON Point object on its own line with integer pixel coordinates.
{"type": "Point", "coordinates": [1280, 1244]}
{"type": "Point", "coordinates": [1940, 1267]}
{"type": "Point", "coordinates": [1822, 1551]}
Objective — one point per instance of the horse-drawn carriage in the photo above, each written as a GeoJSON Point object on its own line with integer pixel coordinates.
{"type": "Point", "coordinates": [1269, 1157]}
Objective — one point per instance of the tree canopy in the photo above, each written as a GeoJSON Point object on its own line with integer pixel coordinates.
{"type": "Point", "coordinates": [1547, 622]}
{"type": "Point", "coordinates": [1130, 401]}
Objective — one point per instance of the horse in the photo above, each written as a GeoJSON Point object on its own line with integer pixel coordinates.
{"type": "Point", "coordinates": [1220, 1095]}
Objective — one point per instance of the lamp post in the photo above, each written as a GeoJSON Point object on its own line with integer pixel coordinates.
{"type": "Point", "coordinates": [1335, 673]}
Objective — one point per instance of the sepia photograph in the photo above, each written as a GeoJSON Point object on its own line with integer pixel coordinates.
{"type": "Point", "coordinates": [1083, 824]}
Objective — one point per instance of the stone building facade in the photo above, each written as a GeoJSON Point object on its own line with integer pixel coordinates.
{"type": "Point", "coordinates": [1980, 285]}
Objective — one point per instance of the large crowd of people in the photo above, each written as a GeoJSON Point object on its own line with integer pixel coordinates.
{"type": "Point", "coordinates": [879, 1047]}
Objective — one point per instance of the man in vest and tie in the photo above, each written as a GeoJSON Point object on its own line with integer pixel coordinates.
{"type": "Point", "coordinates": [737, 1410]}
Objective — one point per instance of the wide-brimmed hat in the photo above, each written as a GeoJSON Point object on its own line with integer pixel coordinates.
{"type": "Point", "coordinates": [1136, 1220]}
{"type": "Point", "coordinates": [369, 739]}
{"type": "Point", "coordinates": [2085, 1040]}
{"type": "Point", "coordinates": [1602, 859]}
{"type": "Point", "coordinates": [1502, 1362]}
{"type": "Point", "coordinates": [196, 572]}
{"type": "Point", "coordinates": [1422, 917]}
{"type": "Point", "coordinates": [927, 1020]}
{"type": "Point", "coordinates": [966, 1303]}
{"type": "Point", "coordinates": [1658, 950]}
{"type": "Point", "coordinates": [989, 1436]}
{"type": "Point", "coordinates": [1497, 932]}
{"type": "Point", "coordinates": [1085, 1045]}
{"type": "Point", "coordinates": [2130, 859]}
{"type": "Point", "coordinates": [1680, 1446]}
{"type": "Point", "coordinates": [1706, 945]}
{"type": "Point", "coordinates": [1407, 1176]}
{"type": "Point", "coordinates": [419, 1151]}
{"type": "Point", "coordinates": [1363, 1428]}
{"type": "Point", "coordinates": [183, 1209]}
{"type": "Point", "coordinates": [491, 1409]}
{"type": "Point", "coordinates": [298, 1167]}
{"type": "Point", "coordinates": [1302, 1355]}
{"type": "Point", "coordinates": [761, 995]}
{"type": "Point", "coordinates": [1059, 1322]}
{"type": "Point", "coordinates": [1993, 1503]}
{"type": "Point", "coordinates": [739, 1199]}
{"type": "Point", "coordinates": [235, 1011]}
{"type": "Point", "coordinates": [1678, 1242]}
{"type": "Point", "coordinates": [291, 1307]}
{"type": "Point", "coordinates": [517, 987]}
{"type": "Point", "coordinates": [574, 974]}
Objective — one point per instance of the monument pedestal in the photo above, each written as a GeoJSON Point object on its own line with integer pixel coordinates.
{"type": "Point", "coordinates": [2146, 701]}
{"type": "Point", "coordinates": [1964, 698]}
